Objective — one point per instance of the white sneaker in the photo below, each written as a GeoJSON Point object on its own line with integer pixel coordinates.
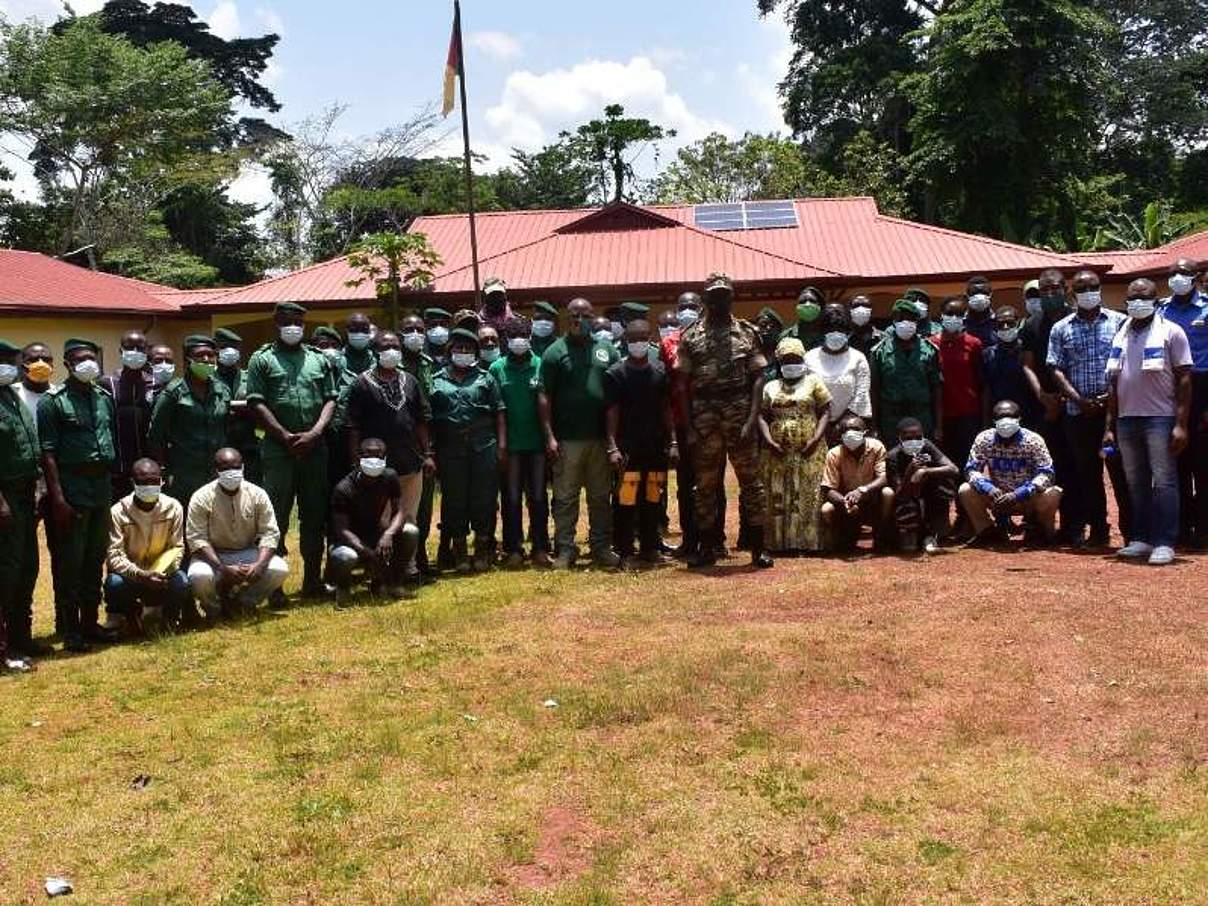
{"type": "Point", "coordinates": [1135, 551]}
{"type": "Point", "coordinates": [1161, 556]}
{"type": "Point", "coordinates": [18, 664]}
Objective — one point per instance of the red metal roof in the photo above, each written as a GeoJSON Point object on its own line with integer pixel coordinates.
{"type": "Point", "coordinates": [1127, 264]}
{"type": "Point", "coordinates": [35, 283]}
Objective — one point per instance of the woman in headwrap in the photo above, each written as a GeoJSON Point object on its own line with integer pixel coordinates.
{"type": "Point", "coordinates": [793, 419]}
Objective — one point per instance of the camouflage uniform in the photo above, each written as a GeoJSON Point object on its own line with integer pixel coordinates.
{"type": "Point", "coordinates": [721, 363]}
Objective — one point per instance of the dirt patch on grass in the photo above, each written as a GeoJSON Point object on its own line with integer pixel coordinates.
{"type": "Point", "coordinates": [562, 852]}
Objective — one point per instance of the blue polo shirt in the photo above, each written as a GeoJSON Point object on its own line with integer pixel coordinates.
{"type": "Point", "coordinates": [1193, 318]}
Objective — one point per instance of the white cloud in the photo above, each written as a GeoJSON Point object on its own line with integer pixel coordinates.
{"type": "Point", "coordinates": [224, 20]}
{"type": "Point", "coordinates": [270, 20]}
{"type": "Point", "coordinates": [46, 10]}
{"type": "Point", "coordinates": [252, 186]}
{"type": "Point", "coordinates": [497, 45]}
{"type": "Point", "coordinates": [761, 81]}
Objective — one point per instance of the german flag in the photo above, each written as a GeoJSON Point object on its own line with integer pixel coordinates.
{"type": "Point", "coordinates": [453, 64]}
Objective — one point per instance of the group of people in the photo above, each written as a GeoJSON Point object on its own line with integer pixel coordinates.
{"type": "Point", "coordinates": [173, 493]}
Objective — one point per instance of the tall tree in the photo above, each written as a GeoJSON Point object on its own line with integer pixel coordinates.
{"type": "Point", "coordinates": [610, 146]}
{"type": "Point", "coordinates": [550, 178]}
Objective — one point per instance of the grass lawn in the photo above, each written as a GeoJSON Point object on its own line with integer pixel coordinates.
{"type": "Point", "coordinates": [979, 727]}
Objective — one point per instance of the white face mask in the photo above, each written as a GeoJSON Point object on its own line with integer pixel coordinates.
{"type": "Point", "coordinates": [390, 359]}
{"type": "Point", "coordinates": [228, 357]}
{"type": "Point", "coordinates": [161, 372]}
{"type": "Point", "coordinates": [835, 340]}
{"type": "Point", "coordinates": [331, 353]}
{"type": "Point", "coordinates": [979, 302]}
{"type": "Point", "coordinates": [905, 329]}
{"type": "Point", "coordinates": [792, 371]}
{"type": "Point", "coordinates": [291, 334]}
{"type": "Point", "coordinates": [602, 336]}
{"type": "Point", "coordinates": [853, 439]}
{"type": "Point", "coordinates": [1089, 299]}
{"type": "Point", "coordinates": [1006, 427]}
{"type": "Point", "coordinates": [147, 493]}
{"type": "Point", "coordinates": [665, 332]}
{"type": "Point", "coordinates": [1033, 305]}
{"type": "Point", "coordinates": [465, 359]}
{"type": "Point", "coordinates": [861, 315]}
{"type": "Point", "coordinates": [438, 336]}
{"type": "Point", "coordinates": [490, 353]}
{"type": "Point", "coordinates": [87, 371]}
{"type": "Point", "coordinates": [358, 340]}
{"type": "Point", "coordinates": [543, 329]}
{"type": "Point", "coordinates": [1141, 309]}
{"type": "Point", "coordinates": [638, 349]}
{"type": "Point", "coordinates": [230, 479]}
{"type": "Point", "coordinates": [921, 308]}
{"type": "Point", "coordinates": [952, 323]}
{"type": "Point", "coordinates": [1181, 284]}
{"type": "Point", "coordinates": [687, 316]}
{"type": "Point", "coordinates": [616, 328]}
{"type": "Point", "coordinates": [1007, 334]}
{"type": "Point", "coordinates": [8, 374]}
{"type": "Point", "coordinates": [519, 345]}
{"type": "Point", "coordinates": [134, 359]}
{"type": "Point", "coordinates": [913, 447]}
{"type": "Point", "coordinates": [413, 342]}
{"type": "Point", "coordinates": [372, 466]}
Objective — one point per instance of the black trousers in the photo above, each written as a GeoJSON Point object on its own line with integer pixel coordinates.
{"type": "Point", "coordinates": [685, 479]}
{"type": "Point", "coordinates": [1085, 435]}
{"type": "Point", "coordinates": [1193, 467]}
{"type": "Point", "coordinates": [641, 518]}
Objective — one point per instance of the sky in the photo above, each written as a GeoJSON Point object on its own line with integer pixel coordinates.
{"type": "Point", "coordinates": [533, 67]}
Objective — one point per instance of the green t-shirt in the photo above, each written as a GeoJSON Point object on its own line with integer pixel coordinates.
{"type": "Point", "coordinates": [573, 375]}
{"type": "Point", "coordinates": [519, 384]}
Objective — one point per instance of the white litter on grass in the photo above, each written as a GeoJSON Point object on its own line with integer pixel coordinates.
{"type": "Point", "coordinates": [470, 718]}
{"type": "Point", "coordinates": [550, 703]}
{"type": "Point", "coordinates": [58, 887]}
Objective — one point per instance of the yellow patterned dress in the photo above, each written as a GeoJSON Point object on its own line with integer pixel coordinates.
{"type": "Point", "coordinates": [791, 481]}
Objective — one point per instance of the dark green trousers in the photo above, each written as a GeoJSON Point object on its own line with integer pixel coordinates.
{"type": "Point", "coordinates": [469, 490]}
{"type": "Point", "coordinates": [303, 479]}
{"type": "Point", "coordinates": [18, 564]}
{"type": "Point", "coordinates": [77, 561]}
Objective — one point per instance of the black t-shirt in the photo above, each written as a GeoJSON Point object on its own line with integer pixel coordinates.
{"type": "Point", "coordinates": [640, 392]}
{"type": "Point", "coordinates": [898, 461]}
{"type": "Point", "coordinates": [1034, 335]}
{"type": "Point", "coordinates": [367, 503]}
{"type": "Point", "coordinates": [390, 412]}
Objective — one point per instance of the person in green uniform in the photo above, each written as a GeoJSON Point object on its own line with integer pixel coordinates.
{"type": "Point", "coordinates": [75, 430]}
{"type": "Point", "coordinates": [809, 309]}
{"type": "Point", "coordinates": [189, 422]}
{"type": "Point", "coordinates": [19, 454]}
{"type": "Point", "coordinates": [545, 327]}
{"type": "Point", "coordinates": [293, 391]}
{"type": "Point", "coordinates": [437, 323]}
{"type": "Point", "coordinates": [906, 377]}
{"type": "Point", "coordinates": [241, 427]}
{"type": "Point", "coordinates": [470, 435]}
{"type": "Point", "coordinates": [329, 342]}
{"type": "Point", "coordinates": [922, 302]}
{"type": "Point", "coordinates": [420, 366]}
{"type": "Point", "coordinates": [358, 346]}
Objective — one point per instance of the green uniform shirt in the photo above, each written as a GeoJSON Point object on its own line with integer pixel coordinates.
{"type": "Point", "coordinates": [421, 367]}
{"type": "Point", "coordinates": [810, 337]}
{"type": "Point", "coordinates": [463, 411]}
{"type": "Point", "coordinates": [540, 344]}
{"type": "Point", "coordinates": [294, 383]}
{"type": "Point", "coordinates": [241, 429]}
{"type": "Point", "coordinates": [75, 425]}
{"type": "Point", "coordinates": [573, 376]}
{"type": "Point", "coordinates": [358, 361]}
{"type": "Point", "coordinates": [19, 450]}
{"type": "Point", "coordinates": [519, 383]}
{"type": "Point", "coordinates": [190, 430]}
{"type": "Point", "coordinates": [908, 377]}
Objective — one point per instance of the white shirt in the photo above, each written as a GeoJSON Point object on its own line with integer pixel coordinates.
{"type": "Point", "coordinates": [31, 398]}
{"type": "Point", "coordinates": [847, 377]}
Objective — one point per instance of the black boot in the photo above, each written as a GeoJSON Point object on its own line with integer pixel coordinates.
{"type": "Point", "coordinates": [313, 585]}
{"type": "Point", "coordinates": [705, 554]}
{"type": "Point", "coordinates": [759, 559]}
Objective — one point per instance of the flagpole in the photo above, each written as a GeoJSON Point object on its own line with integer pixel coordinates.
{"type": "Point", "coordinates": [465, 134]}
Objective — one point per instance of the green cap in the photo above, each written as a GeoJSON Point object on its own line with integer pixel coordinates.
{"type": "Point", "coordinates": [7, 348]}
{"type": "Point", "coordinates": [329, 333]}
{"type": "Point", "coordinates": [547, 308]}
{"type": "Point", "coordinates": [771, 314]}
{"type": "Point", "coordinates": [634, 310]}
{"type": "Point", "coordinates": [718, 280]}
{"type": "Point", "coordinates": [460, 333]}
{"type": "Point", "coordinates": [907, 306]}
{"type": "Point", "coordinates": [288, 308]}
{"type": "Point", "coordinates": [75, 343]}
{"type": "Point", "coordinates": [919, 292]}
{"type": "Point", "coordinates": [464, 316]}
{"type": "Point", "coordinates": [194, 340]}
{"type": "Point", "coordinates": [227, 337]}
{"type": "Point", "coordinates": [437, 314]}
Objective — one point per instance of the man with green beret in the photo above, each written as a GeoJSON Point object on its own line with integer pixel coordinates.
{"type": "Point", "coordinates": [437, 323]}
{"type": "Point", "coordinates": [19, 473]}
{"type": "Point", "coordinates": [292, 388]}
{"type": "Point", "coordinates": [75, 430]}
{"type": "Point", "coordinates": [906, 377]}
{"type": "Point", "coordinates": [922, 302]}
{"type": "Point", "coordinates": [809, 309]}
{"type": "Point", "coordinates": [358, 343]}
{"type": "Point", "coordinates": [545, 327]}
{"type": "Point", "coordinates": [329, 342]}
{"type": "Point", "coordinates": [190, 419]}
{"type": "Point", "coordinates": [241, 427]}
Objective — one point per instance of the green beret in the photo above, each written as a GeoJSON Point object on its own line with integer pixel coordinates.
{"type": "Point", "coordinates": [227, 337]}
{"type": "Point", "coordinates": [329, 333]}
{"type": "Point", "coordinates": [919, 292]}
{"type": "Point", "coordinates": [437, 314]}
{"type": "Point", "coordinates": [75, 343]}
{"type": "Point", "coordinates": [288, 308]}
{"type": "Point", "coordinates": [547, 308]}
{"type": "Point", "coordinates": [770, 313]}
{"type": "Point", "coordinates": [198, 339]}
{"type": "Point", "coordinates": [907, 306]}
{"type": "Point", "coordinates": [460, 333]}
{"type": "Point", "coordinates": [635, 310]}
{"type": "Point", "coordinates": [7, 348]}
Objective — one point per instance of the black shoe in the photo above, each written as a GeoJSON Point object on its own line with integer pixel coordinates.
{"type": "Point", "coordinates": [318, 590]}
{"type": "Point", "coordinates": [1099, 537]}
{"type": "Point", "coordinates": [101, 635]}
{"type": "Point", "coordinates": [988, 538]}
{"type": "Point", "coordinates": [702, 559]}
{"type": "Point", "coordinates": [76, 643]}
{"type": "Point", "coordinates": [762, 560]}
{"type": "Point", "coordinates": [278, 601]}
{"type": "Point", "coordinates": [31, 649]}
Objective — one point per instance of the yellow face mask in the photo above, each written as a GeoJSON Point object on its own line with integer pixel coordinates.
{"type": "Point", "coordinates": [39, 372]}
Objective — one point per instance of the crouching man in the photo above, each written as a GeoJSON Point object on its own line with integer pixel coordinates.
{"type": "Point", "coordinates": [368, 525]}
{"type": "Point", "coordinates": [1010, 471]}
{"type": "Point", "coordinates": [146, 547]}
{"type": "Point", "coordinates": [855, 489]}
{"type": "Point", "coordinates": [232, 536]}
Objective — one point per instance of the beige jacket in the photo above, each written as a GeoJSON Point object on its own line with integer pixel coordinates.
{"type": "Point", "coordinates": [145, 541]}
{"type": "Point", "coordinates": [229, 522]}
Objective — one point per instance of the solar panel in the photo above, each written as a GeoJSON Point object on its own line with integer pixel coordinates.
{"type": "Point", "coordinates": [747, 215]}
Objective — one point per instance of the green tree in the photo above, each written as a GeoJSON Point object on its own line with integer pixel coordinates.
{"type": "Point", "coordinates": [610, 146]}
{"type": "Point", "coordinates": [156, 258]}
{"type": "Point", "coordinates": [550, 178]}
{"type": "Point", "coordinates": [392, 262]}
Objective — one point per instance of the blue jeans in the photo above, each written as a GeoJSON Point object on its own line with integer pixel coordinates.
{"type": "Point", "coordinates": [1153, 477]}
{"type": "Point", "coordinates": [525, 478]}
{"type": "Point", "coordinates": [122, 596]}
